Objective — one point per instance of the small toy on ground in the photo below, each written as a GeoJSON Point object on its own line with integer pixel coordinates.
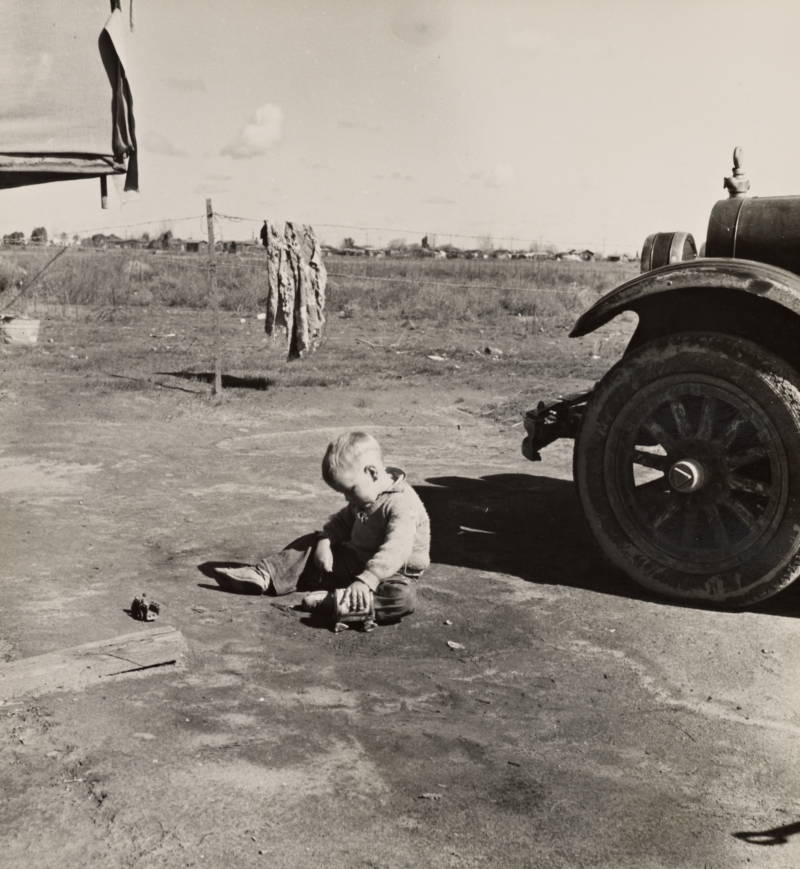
{"type": "Point", "coordinates": [145, 610]}
{"type": "Point", "coordinates": [327, 608]}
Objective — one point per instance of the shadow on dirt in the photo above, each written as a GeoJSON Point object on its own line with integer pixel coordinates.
{"type": "Point", "coordinates": [229, 381]}
{"type": "Point", "coordinates": [527, 526]}
{"type": "Point", "coordinates": [533, 527]}
{"type": "Point", "coordinates": [146, 382]}
{"type": "Point", "coordinates": [289, 605]}
{"type": "Point", "coordinates": [773, 836]}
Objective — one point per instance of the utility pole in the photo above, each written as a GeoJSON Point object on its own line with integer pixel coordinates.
{"type": "Point", "coordinates": [212, 293]}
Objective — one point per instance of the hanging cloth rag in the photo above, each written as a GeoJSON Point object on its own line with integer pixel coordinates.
{"type": "Point", "coordinates": [296, 281]}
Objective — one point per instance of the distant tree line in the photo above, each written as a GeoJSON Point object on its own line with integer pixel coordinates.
{"type": "Point", "coordinates": [427, 246]}
{"type": "Point", "coordinates": [485, 248]}
{"type": "Point", "coordinates": [38, 236]}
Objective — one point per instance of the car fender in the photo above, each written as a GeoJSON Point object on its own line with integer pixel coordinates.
{"type": "Point", "coordinates": [746, 276]}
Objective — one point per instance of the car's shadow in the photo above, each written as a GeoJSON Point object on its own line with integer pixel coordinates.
{"type": "Point", "coordinates": [527, 526]}
{"type": "Point", "coordinates": [533, 527]}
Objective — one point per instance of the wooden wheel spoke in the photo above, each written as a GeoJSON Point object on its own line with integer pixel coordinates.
{"type": "Point", "coordinates": [690, 523]}
{"type": "Point", "coordinates": [745, 484]}
{"type": "Point", "coordinates": [746, 457]}
{"type": "Point", "coordinates": [705, 426]}
{"type": "Point", "coordinates": [650, 460]}
{"type": "Point", "coordinates": [668, 511]}
{"type": "Point", "coordinates": [681, 418]}
{"type": "Point", "coordinates": [728, 434]}
{"type": "Point", "coordinates": [717, 526]}
{"type": "Point", "coordinates": [740, 511]}
{"type": "Point", "coordinates": [659, 434]}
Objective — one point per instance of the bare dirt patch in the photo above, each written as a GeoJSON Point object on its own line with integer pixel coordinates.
{"type": "Point", "coordinates": [578, 722]}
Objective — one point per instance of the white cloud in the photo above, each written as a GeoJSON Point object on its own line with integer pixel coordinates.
{"type": "Point", "coordinates": [259, 135]}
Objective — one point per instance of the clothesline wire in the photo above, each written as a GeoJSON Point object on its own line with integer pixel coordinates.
{"type": "Point", "coordinates": [353, 227]}
{"type": "Point", "coordinates": [219, 216]}
{"type": "Point", "coordinates": [161, 221]}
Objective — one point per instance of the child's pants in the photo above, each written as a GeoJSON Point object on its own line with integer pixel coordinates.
{"type": "Point", "coordinates": [293, 569]}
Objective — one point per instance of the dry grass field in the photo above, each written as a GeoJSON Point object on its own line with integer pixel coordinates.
{"type": "Point", "coordinates": [552, 293]}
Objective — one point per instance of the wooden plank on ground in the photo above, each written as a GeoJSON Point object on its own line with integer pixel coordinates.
{"type": "Point", "coordinates": [151, 650]}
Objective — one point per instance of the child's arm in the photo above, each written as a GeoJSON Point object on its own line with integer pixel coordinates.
{"type": "Point", "coordinates": [323, 555]}
{"type": "Point", "coordinates": [396, 549]}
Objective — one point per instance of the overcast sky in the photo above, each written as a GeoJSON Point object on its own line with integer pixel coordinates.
{"type": "Point", "coordinates": [586, 124]}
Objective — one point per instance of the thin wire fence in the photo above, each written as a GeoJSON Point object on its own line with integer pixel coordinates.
{"type": "Point", "coordinates": [485, 240]}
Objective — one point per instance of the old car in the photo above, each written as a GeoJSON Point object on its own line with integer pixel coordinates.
{"type": "Point", "coordinates": [687, 451]}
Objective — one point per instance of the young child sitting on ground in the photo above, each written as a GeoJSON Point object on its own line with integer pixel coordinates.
{"type": "Point", "coordinates": [373, 550]}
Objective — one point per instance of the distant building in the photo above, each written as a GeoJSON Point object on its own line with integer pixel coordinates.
{"type": "Point", "coordinates": [533, 254]}
{"type": "Point", "coordinates": [114, 241]}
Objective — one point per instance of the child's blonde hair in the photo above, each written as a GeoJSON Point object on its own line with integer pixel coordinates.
{"type": "Point", "coordinates": [348, 449]}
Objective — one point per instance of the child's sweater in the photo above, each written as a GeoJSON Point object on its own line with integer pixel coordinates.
{"type": "Point", "coordinates": [391, 535]}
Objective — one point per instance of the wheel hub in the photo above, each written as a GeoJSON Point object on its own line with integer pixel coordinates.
{"type": "Point", "coordinates": [687, 475]}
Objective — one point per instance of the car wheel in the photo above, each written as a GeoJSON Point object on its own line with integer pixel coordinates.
{"type": "Point", "coordinates": [688, 468]}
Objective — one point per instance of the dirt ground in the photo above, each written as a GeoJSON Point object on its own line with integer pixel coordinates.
{"type": "Point", "coordinates": [577, 723]}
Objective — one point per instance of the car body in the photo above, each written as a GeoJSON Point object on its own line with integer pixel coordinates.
{"type": "Point", "coordinates": [687, 452]}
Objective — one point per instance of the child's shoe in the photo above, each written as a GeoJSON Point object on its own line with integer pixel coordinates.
{"type": "Point", "coordinates": [250, 579]}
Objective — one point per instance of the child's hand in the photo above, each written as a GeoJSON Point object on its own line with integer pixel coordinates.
{"type": "Point", "coordinates": [356, 596]}
{"type": "Point", "coordinates": [323, 555]}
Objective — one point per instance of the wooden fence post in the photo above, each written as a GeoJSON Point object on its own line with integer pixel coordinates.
{"type": "Point", "coordinates": [212, 291]}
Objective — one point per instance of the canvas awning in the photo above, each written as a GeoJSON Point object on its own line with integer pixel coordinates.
{"type": "Point", "coordinates": [66, 107]}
